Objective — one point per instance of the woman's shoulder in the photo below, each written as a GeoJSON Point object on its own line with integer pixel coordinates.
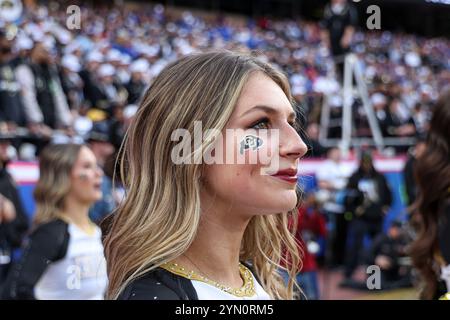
{"type": "Point", "coordinates": [51, 238]}
{"type": "Point", "coordinates": [50, 225]}
{"type": "Point", "coordinates": [159, 284]}
{"type": "Point", "coordinates": [52, 228]}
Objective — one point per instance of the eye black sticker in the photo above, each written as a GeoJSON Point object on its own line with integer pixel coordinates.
{"type": "Point", "coordinates": [250, 142]}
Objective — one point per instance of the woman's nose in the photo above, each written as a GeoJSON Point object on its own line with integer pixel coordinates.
{"type": "Point", "coordinates": [100, 171]}
{"type": "Point", "coordinates": [292, 145]}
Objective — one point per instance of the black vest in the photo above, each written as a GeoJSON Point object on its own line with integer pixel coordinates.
{"type": "Point", "coordinates": [44, 81]}
{"type": "Point", "coordinates": [11, 107]}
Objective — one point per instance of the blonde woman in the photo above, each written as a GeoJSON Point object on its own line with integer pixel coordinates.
{"type": "Point", "coordinates": [63, 258]}
{"type": "Point", "coordinates": [198, 230]}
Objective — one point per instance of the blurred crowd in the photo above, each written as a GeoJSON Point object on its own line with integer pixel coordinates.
{"type": "Point", "coordinates": [57, 83]}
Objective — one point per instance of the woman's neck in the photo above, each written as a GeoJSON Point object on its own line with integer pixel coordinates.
{"type": "Point", "coordinates": [77, 213]}
{"type": "Point", "coordinates": [216, 248]}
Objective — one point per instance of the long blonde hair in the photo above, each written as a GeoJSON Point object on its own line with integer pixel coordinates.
{"type": "Point", "coordinates": [158, 220]}
{"type": "Point", "coordinates": [55, 166]}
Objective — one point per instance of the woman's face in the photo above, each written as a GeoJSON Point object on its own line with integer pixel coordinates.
{"type": "Point", "coordinates": [262, 133]}
{"type": "Point", "coordinates": [86, 178]}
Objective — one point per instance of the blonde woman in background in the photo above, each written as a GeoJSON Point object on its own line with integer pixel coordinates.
{"type": "Point", "coordinates": [63, 258]}
{"type": "Point", "coordinates": [207, 231]}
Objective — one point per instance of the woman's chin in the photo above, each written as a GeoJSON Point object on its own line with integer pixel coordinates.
{"type": "Point", "coordinates": [97, 196]}
{"type": "Point", "coordinates": [282, 201]}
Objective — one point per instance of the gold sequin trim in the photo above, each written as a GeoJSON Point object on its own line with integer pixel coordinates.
{"type": "Point", "coordinates": [445, 296]}
{"type": "Point", "coordinates": [247, 289]}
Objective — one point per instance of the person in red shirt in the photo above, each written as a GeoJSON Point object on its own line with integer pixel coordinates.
{"type": "Point", "coordinates": [311, 227]}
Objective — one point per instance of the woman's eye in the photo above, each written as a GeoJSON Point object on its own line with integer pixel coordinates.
{"type": "Point", "coordinates": [89, 166]}
{"type": "Point", "coordinates": [261, 124]}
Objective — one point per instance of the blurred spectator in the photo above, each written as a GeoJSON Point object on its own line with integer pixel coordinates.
{"type": "Point", "coordinates": [71, 81]}
{"type": "Point", "coordinates": [13, 220]}
{"type": "Point", "coordinates": [421, 117]}
{"type": "Point", "coordinates": [136, 86]}
{"type": "Point", "coordinates": [120, 123]}
{"type": "Point", "coordinates": [111, 90]}
{"type": "Point", "coordinates": [82, 124]}
{"type": "Point", "coordinates": [340, 20]}
{"type": "Point", "coordinates": [398, 121]}
{"type": "Point", "coordinates": [387, 252]}
{"type": "Point", "coordinates": [332, 179]}
{"type": "Point", "coordinates": [315, 147]}
{"type": "Point", "coordinates": [44, 100]}
{"type": "Point", "coordinates": [311, 229]}
{"type": "Point", "coordinates": [12, 112]}
{"type": "Point", "coordinates": [379, 103]}
{"type": "Point", "coordinates": [368, 198]}
{"type": "Point", "coordinates": [408, 171]}
{"type": "Point", "coordinates": [100, 144]}
{"type": "Point", "coordinates": [23, 46]}
{"type": "Point", "coordinates": [91, 92]}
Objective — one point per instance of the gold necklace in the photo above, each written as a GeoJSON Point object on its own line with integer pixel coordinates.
{"type": "Point", "coordinates": [247, 289]}
{"type": "Point", "coordinates": [92, 226]}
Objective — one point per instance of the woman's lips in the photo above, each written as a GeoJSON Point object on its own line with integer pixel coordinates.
{"type": "Point", "coordinates": [288, 175]}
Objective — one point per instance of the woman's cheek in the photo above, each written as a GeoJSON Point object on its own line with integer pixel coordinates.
{"type": "Point", "coordinates": [268, 156]}
{"type": "Point", "coordinates": [82, 176]}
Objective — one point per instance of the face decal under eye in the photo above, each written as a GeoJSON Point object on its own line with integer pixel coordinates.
{"type": "Point", "coordinates": [250, 142]}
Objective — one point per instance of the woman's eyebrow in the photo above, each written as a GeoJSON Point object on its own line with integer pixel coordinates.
{"type": "Point", "coordinates": [268, 109]}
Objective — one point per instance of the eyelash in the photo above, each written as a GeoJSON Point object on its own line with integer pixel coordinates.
{"type": "Point", "coordinates": [267, 121]}
{"type": "Point", "coordinates": [259, 122]}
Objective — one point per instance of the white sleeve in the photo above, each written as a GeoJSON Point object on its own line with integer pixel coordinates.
{"type": "Point", "coordinates": [26, 80]}
{"type": "Point", "coordinates": [62, 108]}
{"type": "Point", "coordinates": [323, 173]}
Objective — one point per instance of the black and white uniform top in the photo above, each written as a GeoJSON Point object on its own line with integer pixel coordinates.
{"type": "Point", "coordinates": [59, 262]}
{"type": "Point", "coordinates": [443, 254]}
{"type": "Point", "coordinates": [173, 282]}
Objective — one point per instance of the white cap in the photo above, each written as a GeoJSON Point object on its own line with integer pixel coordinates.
{"type": "Point", "coordinates": [94, 56]}
{"type": "Point", "coordinates": [130, 110]}
{"type": "Point", "coordinates": [106, 70]}
{"type": "Point", "coordinates": [71, 47]}
{"type": "Point", "coordinates": [36, 33]}
{"type": "Point", "coordinates": [426, 89]}
{"type": "Point", "coordinates": [378, 98]}
{"type": "Point", "coordinates": [140, 65]}
{"type": "Point", "coordinates": [123, 33]}
{"type": "Point", "coordinates": [82, 125]}
{"type": "Point", "coordinates": [114, 55]}
{"type": "Point", "coordinates": [11, 11]}
{"type": "Point", "coordinates": [27, 152]}
{"type": "Point", "coordinates": [125, 59]}
{"type": "Point", "coordinates": [48, 26]}
{"type": "Point", "coordinates": [71, 62]}
{"type": "Point", "coordinates": [49, 42]}
{"type": "Point", "coordinates": [62, 35]}
{"type": "Point", "coordinates": [298, 90]}
{"type": "Point", "coordinates": [412, 59]}
{"type": "Point", "coordinates": [24, 43]}
{"type": "Point", "coordinates": [336, 101]}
